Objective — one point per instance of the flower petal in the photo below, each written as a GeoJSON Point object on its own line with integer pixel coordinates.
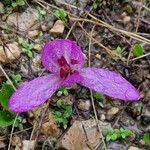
{"type": "Point", "coordinates": [54, 50]}
{"type": "Point", "coordinates": [109, 83]}
{"type": "Point", "coordinates": [34, 93]}
{"type": "Point", "coordinates": [72, 79]}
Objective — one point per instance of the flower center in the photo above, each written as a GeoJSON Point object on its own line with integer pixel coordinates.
{"type": "Point", "coordinates": [65, 68]}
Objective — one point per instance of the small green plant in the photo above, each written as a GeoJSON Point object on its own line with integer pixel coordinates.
{"type": "Point", "coordinates": [116, 134]}
{"type": "Point", "coordinates": [17, 3]}
{"type": "Point", "coordinates": [146, 138]}
{"type": "Point", "coordinates": [129, 9]}
{"type": "Point", "coordinates": [119, 52]}
{"type": "Point", "coordinates": [27, 48]}
{"type": "Point", "coordinates": [137, 50]}
{"type": "Point", "coordinates": [62, 116]}
{"type": "Point", "coordinates": [16, 78]}
{"type": "Point", "coordinates": [139, 106]}
{"type": "Point", "coordinates": [97, 4]}
{"type": "Point", "coordinates": [62, 91]}
{"type": "Point", "coordinates": [6, 117]}
{"type": "Point", "coordinates": [41, 13]}
{"type": "Point", "coordinates": [62, 15]}
{"type": "Point", "coordinates": [100, 98]}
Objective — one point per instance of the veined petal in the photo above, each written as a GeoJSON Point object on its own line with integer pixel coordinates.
{"type": "Point", "coordinates": [109, 83]}
{"type": "Point", "coordinates": [34, 93]}
{"type": "Point", "coordinates": [54, 50]}
{"type": "Point", "coordinates": [72, 79]}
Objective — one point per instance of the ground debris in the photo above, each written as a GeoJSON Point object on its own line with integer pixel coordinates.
{"type": "Point", "coordinates": [83, 135]}
{"type": "Point", "coordinates": [9, 52]}
{"type": "Point", "coordinates": [26, 20]}
{"type": "Point", "coordinates": [57, 29]}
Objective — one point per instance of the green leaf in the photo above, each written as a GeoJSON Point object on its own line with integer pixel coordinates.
{"type": "Point", "coordinates": [59, 93]}
{"type": "Point", "coordinates": [20, 2]}
{"type": "Point", "coordinates": [114, 137]}
{"type": "Point", "coordinates": [5, 93]}
{"type": "Point", "coordinates": [61, 14]}
{"type": "Point", "coordinates": [137, 50]}
{"type": "Point", "coordinates": [14, 4]}
{"type": "Point", "coordinates": [65, 91]}
{"type": "Point", "coordinates": [146, 138]}
{"type": "Point", "coordinates": [16, 78]}
{"type": "Point", "coordinates": [30, 54]}
{"type": "Point", "coordinates": [129, 9]}
{"type": "Point", "coordinates": [6, 118]}
{"type": "Point", "coordinates": [99, 96]}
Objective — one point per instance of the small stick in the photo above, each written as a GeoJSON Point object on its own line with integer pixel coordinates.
{"type": "Point", "coordinates": [91, 93]}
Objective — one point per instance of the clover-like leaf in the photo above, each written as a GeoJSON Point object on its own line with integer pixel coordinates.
{"type": "Point", "coordinates": [5, 94]}
{"type": "Point", "coordinates": [6, 118]}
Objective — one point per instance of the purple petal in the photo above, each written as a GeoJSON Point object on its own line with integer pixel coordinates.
{"type": "Point", "coordinates": [72, 79]}
{"type": "Point", "coordinates": [54, 50]}
{"type": "Point", "coordinates": [34, 93]}
{"type": "Point", "coordinates": [109, 83]}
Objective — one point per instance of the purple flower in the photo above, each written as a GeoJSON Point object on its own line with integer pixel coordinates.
{"type": "Point", "coordinates": [65, 60]}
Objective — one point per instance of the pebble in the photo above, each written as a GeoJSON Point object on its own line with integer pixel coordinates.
{"type": "Point", "coordinates": [10, 53]}
{"type": "Point", "coordinates": [37, 48]}
{"type": "Point", "coordinates": [44, 27]}
{"type": "Point", "coordinates": [16, 140]}
{"type": "Point", "coordinates": [84, 105]}
{"type": "Point", "coordinates": [98, 56]}
{"type": "Point", "coordinates": [133, 148]}
{"type": "Point", "coordinates": [126, 19]}
{"type": "Point", "coordinates": [49, 127]}
{"type": "Point", "coordinates": [33, 33]}
{"type": "Point", "coordinates": [102, 117]}
{"type": "Point", "coordinates": [24, 21]}
{"type": "Point", "coordinates": [111, 113]}
{"type": "Point", "coordinates": [57, 29]}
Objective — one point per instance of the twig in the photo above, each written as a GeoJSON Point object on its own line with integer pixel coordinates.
{"type": "Point", "coordinates": [12, 130]}
{"type": "Point", "coordinates": [145, 55]}
{"type": "Point", "coordinates": [101, 23]}
{"type": "Point", "coordinates": [91, 94]}
{"type": "Point", "coordinates": [137, 26]}
{"type": "Point", "coordinates": [100, 44]}
{"type": "Point", "coordinates": [41, 119]}
{"type": "Point", "coordinates": [7, 77]}
{"type": "Point", "coordinates": [11, 134]}
{"type": "Point", "coordinates": [70, 30]}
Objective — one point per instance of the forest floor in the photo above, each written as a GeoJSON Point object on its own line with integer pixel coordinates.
{"type": "Point", "coordinates": [112, 34]}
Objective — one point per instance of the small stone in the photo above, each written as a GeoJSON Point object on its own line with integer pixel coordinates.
{"type": "Point", "coordinates": [28, 144]}
{"type": "Point", "coordinates": [111, 113]}
{"type": "Point", "coordinates": [44, 28]}
{"type": "Point", "coordinates": [2, 145]}
{"type": "Point", "coordinates": [58, 28]}
{"type": "Point", "coordinates": [84, 105]}
{"type": "Point", "coordinates": [37, 61]}
{"type": "Point", "coordinates": [49, 128]}
{"type": "Point", "coordinates": [16, 141]}
{"type": "Point", "coordinates": [24, 21]}
{"type": "Point", "coordinates": [81, 133]}
{"type": "Point", "coordinates": [37, 48]}
{"type": "Point", "coordinates": [36, 65]}
{"type": "Point", "coordinates": [9, 52]}
{"type": "Point", "coordinates": [33, 33]}
{"type": "Point", "coordinates": [126, 19]}
{"type": "Point", "coordinates": [98, 56]}
{"type": "Point", "coordinates": [102, 117]}
{"type": "Point", "coordinates": [133, 148]}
